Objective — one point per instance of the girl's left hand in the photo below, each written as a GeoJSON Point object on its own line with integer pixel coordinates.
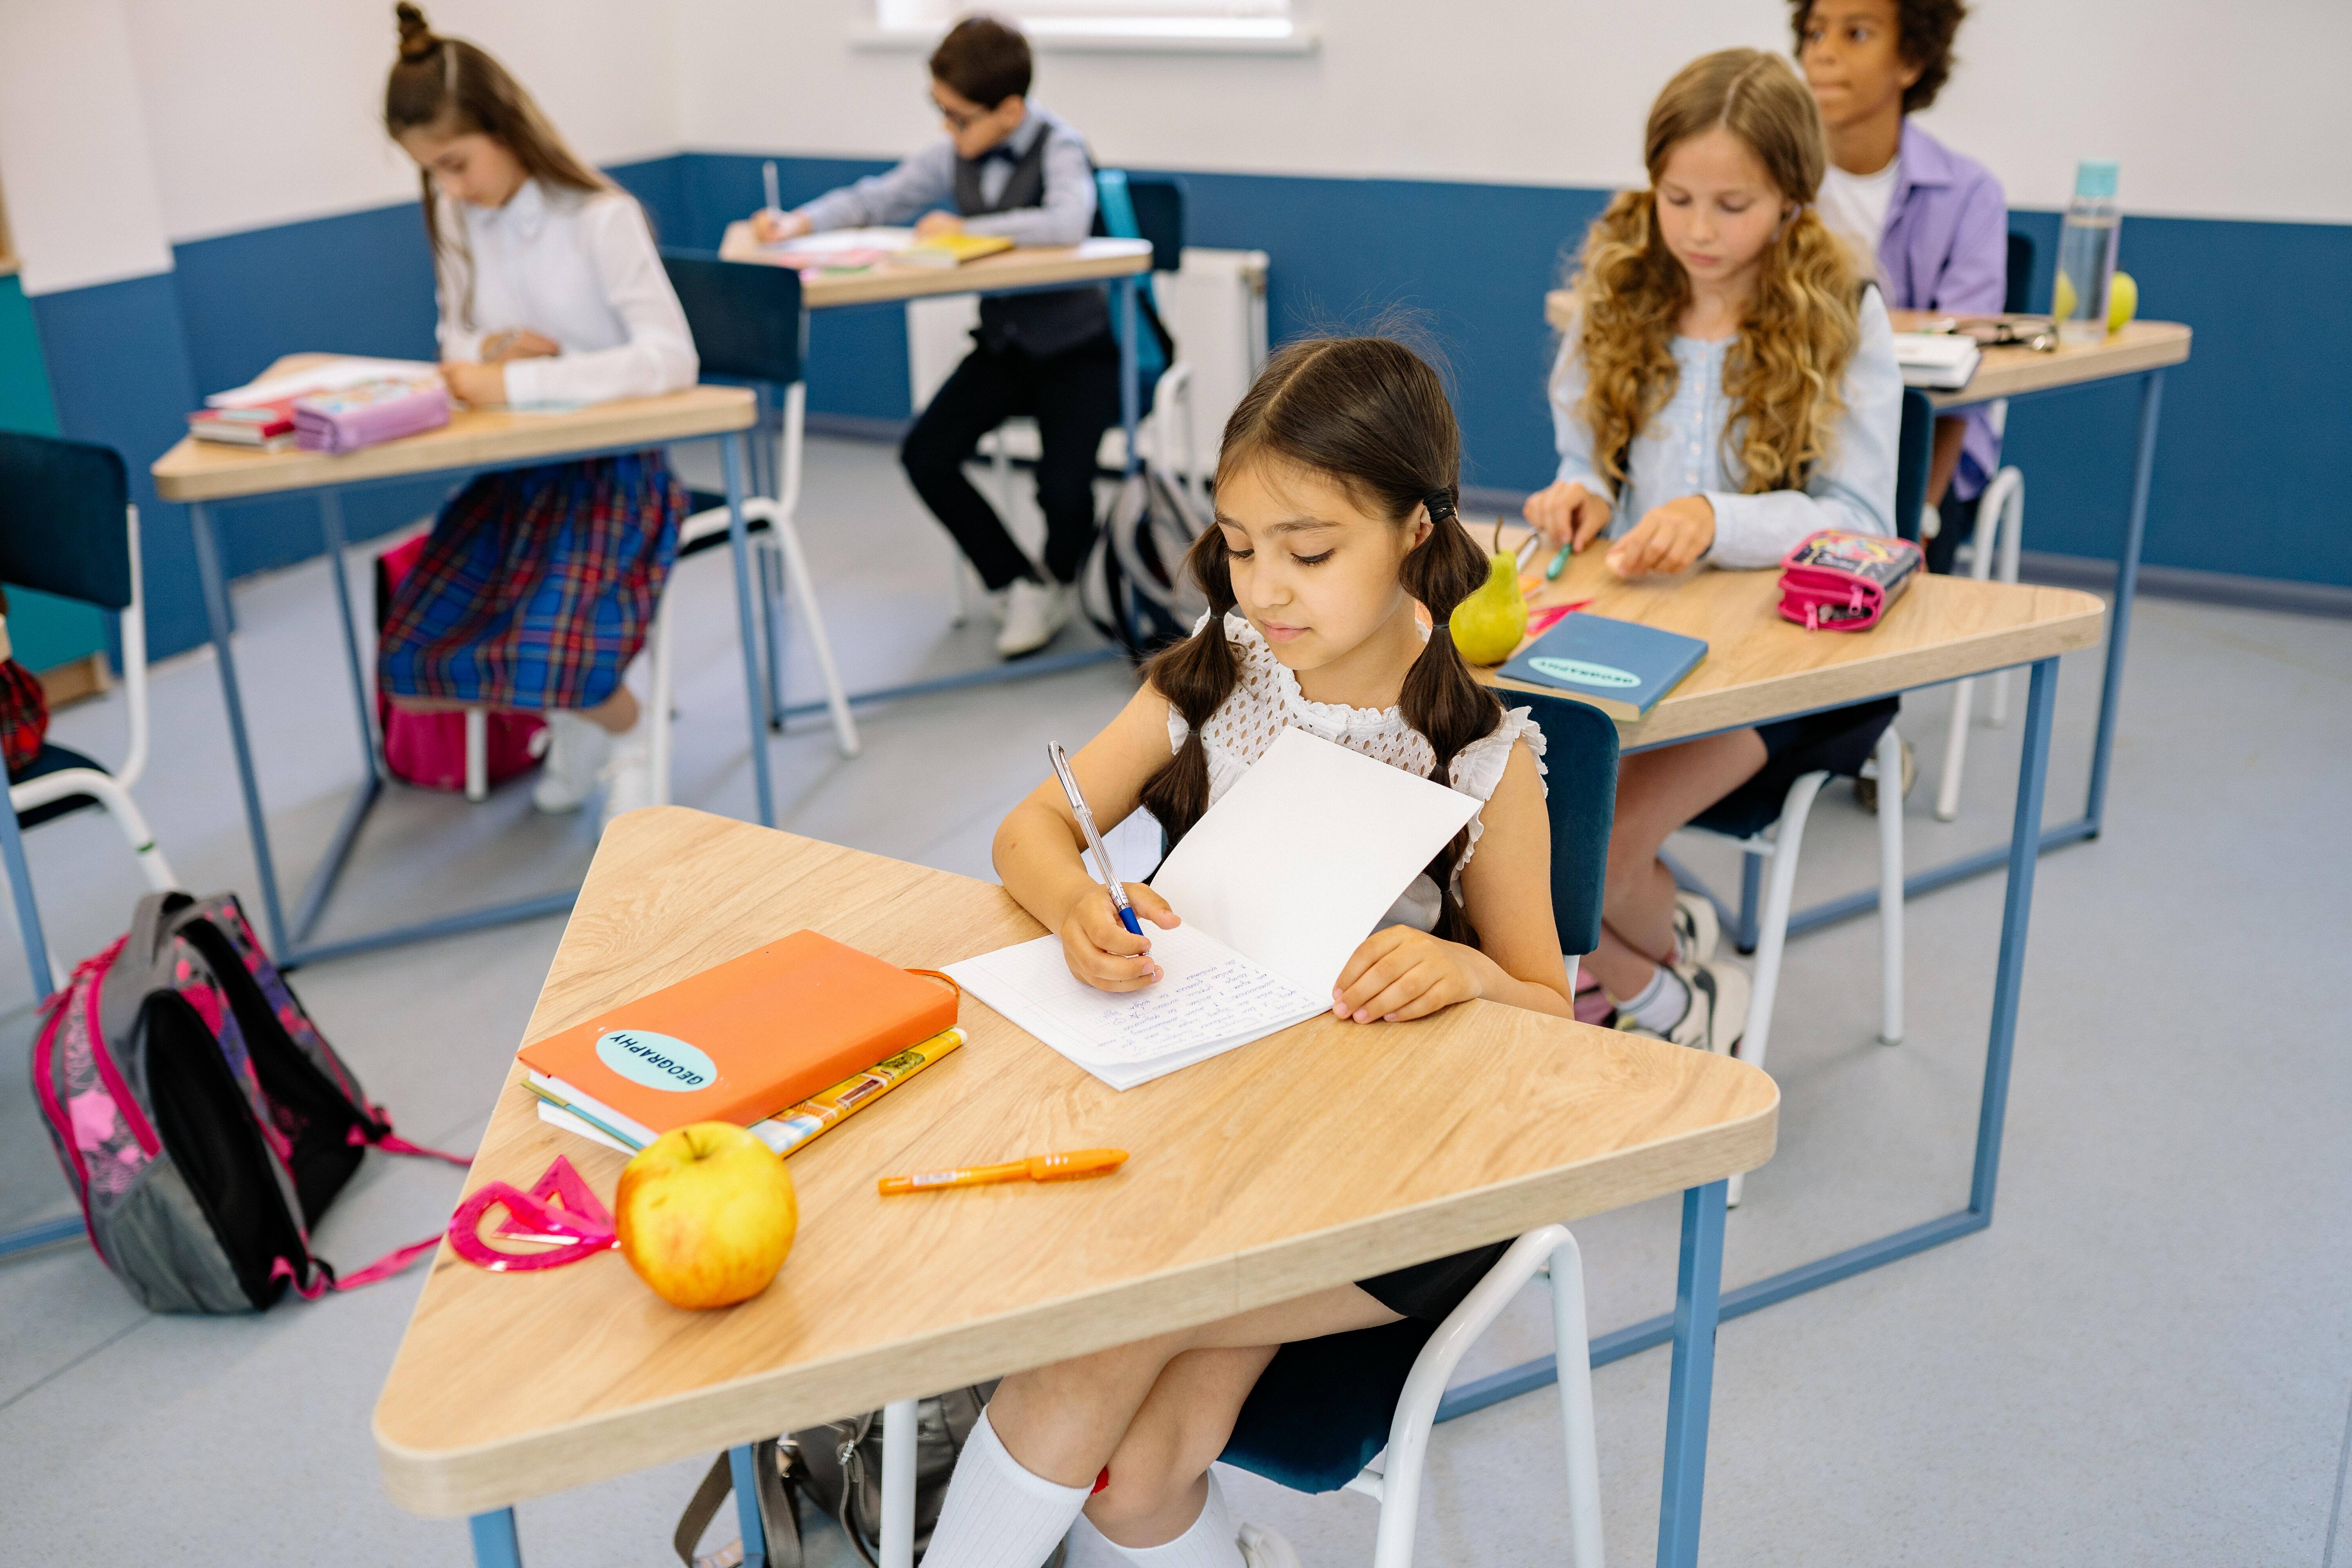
{"type": "Point", "coordinates": [1400, 973]}
{"type": "Point", "coordinates": [519, 342]}
{"type": "Point", "coordinates": [475, 385]}
{"type": "Point", "coordinates": [1667, 539]}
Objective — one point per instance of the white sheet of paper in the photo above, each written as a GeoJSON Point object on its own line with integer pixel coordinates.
{"type": "Point", "coordinates": [1304, 854]}
{"type": "Point", "coordinates": [332, 377]}
{"type": "Point", "coordinates": [833, 239]}
{"type": "Point", "coordinates": [1212, 999]}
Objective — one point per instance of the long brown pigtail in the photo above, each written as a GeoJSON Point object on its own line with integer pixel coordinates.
{"type": "Point", "coordinates": [1441, 698]}
{"type": "Point", "coordinates": [1196, 675]}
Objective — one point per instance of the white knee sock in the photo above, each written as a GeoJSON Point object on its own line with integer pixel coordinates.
{"type": "Point", "coordinates": [1208, 1544]}
{"type": "Point", "coordinates": [997, 1514]}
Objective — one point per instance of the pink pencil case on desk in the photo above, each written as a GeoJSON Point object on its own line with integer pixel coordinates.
{"type": "Point", "coordinates": [368, 414]}
{"type": "Point", "coordinates": [1836, 582]}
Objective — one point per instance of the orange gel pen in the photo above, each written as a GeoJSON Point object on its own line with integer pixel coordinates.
{"type": "Point", "coordinates": [1036, 1168]}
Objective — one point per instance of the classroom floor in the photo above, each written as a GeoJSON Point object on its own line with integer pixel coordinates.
{"type": "Point", "coordinates": [2147, 1358]}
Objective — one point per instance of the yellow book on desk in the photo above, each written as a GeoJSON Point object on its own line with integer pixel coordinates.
{"type": "Point", "coordinates": [945, 250]}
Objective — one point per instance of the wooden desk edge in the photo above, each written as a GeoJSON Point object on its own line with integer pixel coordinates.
{"type": "Point", "coordinates": [458, 1483]}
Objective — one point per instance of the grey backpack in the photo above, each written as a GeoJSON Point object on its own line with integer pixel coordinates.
{"type": "Point", "coordinates": [203, 1121]}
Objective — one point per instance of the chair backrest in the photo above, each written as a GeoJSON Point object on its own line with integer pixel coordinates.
{"type": "Point", "coordinates": [1159, 217]}
{"type": "Point", "coordinates": [2020, 287]}
{"type": "Point", "coordinates": [745, 316]}
{"type": "Point", "coordinates": [1913, 455]}
{"type": "Point", "coordinates": [63, 506]}
{"type": "Point", "coordinates": [1580, 783]}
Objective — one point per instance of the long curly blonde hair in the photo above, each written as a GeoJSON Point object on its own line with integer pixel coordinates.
{"type": "Point", "coordinates": [1801, 329]}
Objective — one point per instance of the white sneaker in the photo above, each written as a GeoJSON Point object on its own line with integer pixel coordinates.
{"type": "Point", "coordinates": [1696, 928]}
{"type": "Point", "coordinates": [1262, 1548]}
{"type": "Point", "coordinates": [1715, 1017]}
{"type": "Point", "coordinates": [576, 751]}
{"type": "Point", "coordinates": [1034, 613]}
{"type": "Point", "coordinates": [629, 774]}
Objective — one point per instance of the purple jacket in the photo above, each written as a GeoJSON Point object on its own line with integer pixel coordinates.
{"type": "Point", "coordinates": [1945, 248]}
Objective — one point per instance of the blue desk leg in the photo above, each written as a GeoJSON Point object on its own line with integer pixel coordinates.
{"type": "Point", "coordinates": [331, 524]}
{"type": "Point", "coordinates": [1131, 370]}
{"type": "Point", "coordinates": [746, 1506]}
{"type": "Point", "coordinates": [216, 587]}
{"type": "Point", "coordinates": [2151, 402]}
{"type": "Point", "coordinates": [2017, 906]}
{"type": "Point", "coordinates": [495, 1545]}
{"type": "Point", "coordinates": [1697, 1288]}
{"type": "Point", "coordinates": [731, 448]}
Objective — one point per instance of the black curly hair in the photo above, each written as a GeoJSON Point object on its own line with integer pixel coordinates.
{"type": "Point", "coordinates": [1924, 34]}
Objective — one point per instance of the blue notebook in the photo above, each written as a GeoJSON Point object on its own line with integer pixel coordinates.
{"type": "Point", "coordinates": [1622, 667]}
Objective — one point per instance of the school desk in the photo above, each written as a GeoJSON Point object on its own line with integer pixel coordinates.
{"type": "Point", "coordinates": [203, 474]}
{"type": "Point", "coordinates": [1758, 669]}
{"type": "Point", "coordinates": [2143, 350]}
{"type": "Point", "coordinates": [1325, 1154]}
{"type": "Point", "coordinates": [1117, 262]}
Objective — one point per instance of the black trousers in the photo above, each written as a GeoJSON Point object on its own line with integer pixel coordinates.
{"type": "Point", "coordinates": [1959, 526]}
{"type": "Point", "coordinates": [1074, 397]}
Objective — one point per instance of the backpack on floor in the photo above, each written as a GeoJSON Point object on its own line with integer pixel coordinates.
{"type": "Point", "coordinates": [203, 1121]}
{"type": "Point", "coordinates": [1134, 589]}
{"type": "Point", "coordinates": [429, 748]}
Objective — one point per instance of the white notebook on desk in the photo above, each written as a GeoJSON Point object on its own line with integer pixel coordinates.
{"type": "Point", "coordinates": [1276, 885]}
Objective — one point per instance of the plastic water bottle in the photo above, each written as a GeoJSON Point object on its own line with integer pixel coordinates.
{"type": "Point", "coordinates": [2086, 253]}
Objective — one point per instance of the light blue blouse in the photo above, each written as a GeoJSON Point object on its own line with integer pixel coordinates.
{"type": "Point", "coordinates": [1682, 452]}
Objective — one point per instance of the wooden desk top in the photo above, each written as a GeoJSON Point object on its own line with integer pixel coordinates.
{"type": "Point", "coordinates": [1329, 1153]}
{"type": "Point", "coordinates": [2014, 371]}
{"type": "Point", "coordinates": [479, 438]}
{"type": "Point", "coordinates": [1759, 668]}
{"type": "Point", "coordinates": [1088, 261]}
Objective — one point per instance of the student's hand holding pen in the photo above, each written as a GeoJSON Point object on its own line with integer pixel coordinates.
{"type": "Point", "coordinates": [1565, 513]}
{"type": "Point", "coordinates": [1105, 954]}
{"type": "Point", "coordinates": [770, 226]}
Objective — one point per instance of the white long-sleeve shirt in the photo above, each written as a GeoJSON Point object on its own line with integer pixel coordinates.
{"type": "Point", "coordinates": [926, 181]}
{"type": "Point", "coordinates": [578, 268]}
{"type": "Point", "coordinates": [1681, 451]}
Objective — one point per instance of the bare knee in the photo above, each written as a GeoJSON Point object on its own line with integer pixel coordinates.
{"type": "Point", "coordinates": [1141, 1498]}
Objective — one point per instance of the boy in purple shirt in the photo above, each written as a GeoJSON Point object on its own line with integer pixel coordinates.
{"type": "Point", "coordinates": [1936, 221]}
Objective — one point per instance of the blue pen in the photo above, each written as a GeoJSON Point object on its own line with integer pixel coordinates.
{"type": "Point", "coordinates": [1061, 761]}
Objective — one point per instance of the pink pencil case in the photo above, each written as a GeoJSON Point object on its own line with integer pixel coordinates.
{"type": "Point", "coordinates": [368, 414]}
{"type": "Point", "coordinates": [1845, 582]}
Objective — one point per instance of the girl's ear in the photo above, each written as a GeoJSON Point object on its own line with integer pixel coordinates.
{"type": "Point", "coordinates": [1422, 527]}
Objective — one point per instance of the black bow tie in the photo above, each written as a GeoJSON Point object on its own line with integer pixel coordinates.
{"type": "Point", "coordinates": [1001, 153]}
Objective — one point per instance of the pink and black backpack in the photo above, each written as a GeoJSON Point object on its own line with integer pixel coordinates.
{"type": "Point", "coordinates": [204, 1122]}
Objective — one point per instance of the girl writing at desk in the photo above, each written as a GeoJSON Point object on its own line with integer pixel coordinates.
{"type": "Point", "coordinates": [1728, 388]}
{"type": "Point", "coordinates": [1336, 491]}
{"type": "Point", "coordinates": [538, 584]}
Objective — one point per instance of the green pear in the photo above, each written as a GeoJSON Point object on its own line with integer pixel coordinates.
{"type": "Point", "coordinates": [1489, 625]}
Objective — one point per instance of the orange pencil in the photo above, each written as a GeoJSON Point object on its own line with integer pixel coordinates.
{"type": "Point", "coordinates": [1036, 1168]}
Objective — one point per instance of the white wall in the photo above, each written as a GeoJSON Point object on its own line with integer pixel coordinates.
{"type": "Point", "coordinates": [82, 206]}
{"type": "Point", "coordinates": [2228, 112]}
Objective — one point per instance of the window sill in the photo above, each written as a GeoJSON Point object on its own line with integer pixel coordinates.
{"type": "Point", "coordinates": [1147, 34]}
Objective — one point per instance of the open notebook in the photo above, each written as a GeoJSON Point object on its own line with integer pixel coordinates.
{"type": "Point", "coordinates": [1276, 885]}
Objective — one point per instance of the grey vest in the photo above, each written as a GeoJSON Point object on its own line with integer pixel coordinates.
{"type": "Point", "coordinates": [1038, 325]}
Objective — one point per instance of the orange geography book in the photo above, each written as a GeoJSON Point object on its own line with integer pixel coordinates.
{"type": "Point", "coordinates": [747, 1038]}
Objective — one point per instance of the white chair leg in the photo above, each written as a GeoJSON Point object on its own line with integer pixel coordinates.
{"type": "Point", "coordinates": [2011, 534]}
{"type": "Point", "coordinates": [477, 754]}
{"type": "Point", "coordinates": [2004, 498]}
{"type": "Point", "coordinates": [796, 571]}
{"type": "Point", "coordinates": [1572, 1355]}
{"type": "Point", "coordinates": [1416, 1411]}
{"type": "Point", "coordinates": [659, 683]}
{"type": "Point", "coordinates": [1890, 889]}
{"type": "Point", "coordinates": [1956, 750]}
{"type": "Point", "coordinates": [1772, 931]}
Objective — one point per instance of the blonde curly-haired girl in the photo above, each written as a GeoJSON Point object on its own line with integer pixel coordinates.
{"type": "Point", "coordinates": [1727, 386]}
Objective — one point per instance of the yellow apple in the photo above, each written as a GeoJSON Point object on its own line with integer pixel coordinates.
{"type": "Point", "coordinates": [705, 1215]}
{"type": "Point", "coordinates": [2123, 301]}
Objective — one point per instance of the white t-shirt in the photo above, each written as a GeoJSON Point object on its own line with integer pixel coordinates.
{"type": "Point", "coordinates": [1854, 208]}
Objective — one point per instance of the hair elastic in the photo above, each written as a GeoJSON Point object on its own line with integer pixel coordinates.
{"type": "Point", "coordinates": [1439, 504]}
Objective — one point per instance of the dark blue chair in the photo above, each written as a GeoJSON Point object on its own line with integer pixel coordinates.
{"type": "Point", "coordinates": [748, 328]}
{"type": "Point", "coordinates": [1325, 1408]}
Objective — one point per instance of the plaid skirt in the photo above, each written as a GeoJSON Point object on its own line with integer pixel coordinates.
{"type": "Point", "coordinates": [537, 585]}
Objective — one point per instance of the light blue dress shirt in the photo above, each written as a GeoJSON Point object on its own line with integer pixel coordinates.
{"type": "Point", "coordinates": [1683, 451]}
{"type": "Point", "coordinates": [926, 181]}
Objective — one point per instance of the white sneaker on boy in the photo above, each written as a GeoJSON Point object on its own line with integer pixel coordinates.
{"type": "Point", "coordinates": [1034, 612]}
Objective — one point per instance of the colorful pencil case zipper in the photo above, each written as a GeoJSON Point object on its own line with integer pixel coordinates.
{"type": "Point", "coordinates": [1842, 582]}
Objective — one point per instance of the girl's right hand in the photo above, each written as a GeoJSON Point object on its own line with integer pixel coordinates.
{"type": "Point", "coordinates": [771, 228]}
{"type": "Point", "coordinates": [1565, 513]}
{"type": "Point", "coordinates": [1105, 954]}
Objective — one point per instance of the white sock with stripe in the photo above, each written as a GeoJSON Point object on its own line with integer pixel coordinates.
{"type": "Point", "coordinates": [998, 1514]}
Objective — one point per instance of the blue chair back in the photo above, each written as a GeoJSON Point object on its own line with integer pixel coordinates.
{"type": "Point", "coordinates": [2020, 284]}
{"type": "Point", "coordinates": [1120, 203]}
{"type": "Point", "coordinates": [62, 519]}
{"type": "Point", "coordinates": [745, 316]}
{"type": "Point", "coordinates": [1915, 455]}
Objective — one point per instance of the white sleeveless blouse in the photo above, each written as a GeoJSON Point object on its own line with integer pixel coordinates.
{"type": "Point", "coordinates": [1266, 701]}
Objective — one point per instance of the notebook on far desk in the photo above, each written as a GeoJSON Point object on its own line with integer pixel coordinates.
{"type": "Point", "coordinates": [1276, 887]}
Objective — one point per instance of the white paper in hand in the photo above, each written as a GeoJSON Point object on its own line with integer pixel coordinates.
{"type": "Point", "coordinates": [1302, 856]}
